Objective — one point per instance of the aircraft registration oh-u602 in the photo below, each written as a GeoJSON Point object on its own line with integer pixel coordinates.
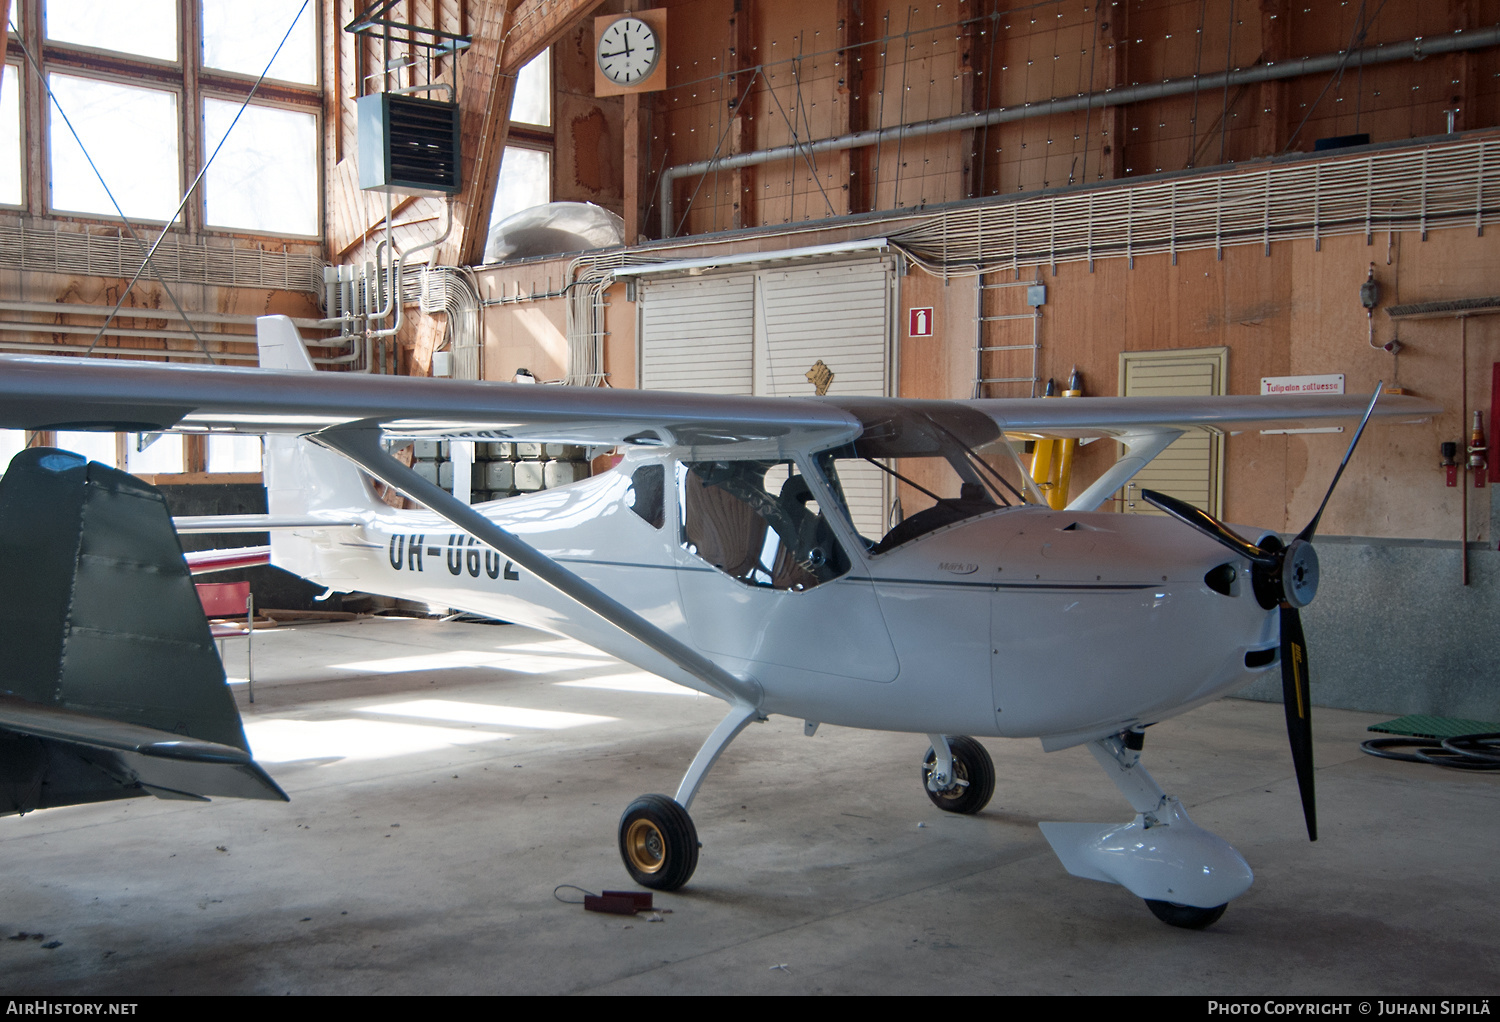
{"type": "Point", "coordinates": [730, 551]}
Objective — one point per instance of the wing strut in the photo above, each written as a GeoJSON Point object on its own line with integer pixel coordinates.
{"type": "Point", "coordinates": [362, 446]}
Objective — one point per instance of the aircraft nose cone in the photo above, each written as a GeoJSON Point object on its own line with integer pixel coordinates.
{"type": "Point", "coordinates": [1299, 573]}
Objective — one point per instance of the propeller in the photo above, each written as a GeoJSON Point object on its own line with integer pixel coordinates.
{"type": "Point", "coordinates": [1284, 577]}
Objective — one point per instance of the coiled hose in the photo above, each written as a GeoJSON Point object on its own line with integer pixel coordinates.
{"type": "Point", "coordinates": [1464, 752]}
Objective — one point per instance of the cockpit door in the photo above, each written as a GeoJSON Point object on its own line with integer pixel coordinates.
{"type": "Point", "coordinates": [763, 577]}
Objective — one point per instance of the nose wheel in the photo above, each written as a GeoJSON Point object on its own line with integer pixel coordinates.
{"type": "Point", "coordinates": [1189, 917]}
{"type": "Point", "coordinates": [972, 783]}
{"type": "Point", "coordinates": [658, 843]}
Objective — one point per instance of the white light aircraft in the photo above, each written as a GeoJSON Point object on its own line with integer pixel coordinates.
{"type": "Point", "coordinates": [722, 554]}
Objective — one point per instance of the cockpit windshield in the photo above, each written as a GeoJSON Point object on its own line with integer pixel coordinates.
{"type": "Point", "coordinates": [939, 463]}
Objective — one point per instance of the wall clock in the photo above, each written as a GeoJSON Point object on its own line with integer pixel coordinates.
{"type": "Point", "coordinates": [630, 53]}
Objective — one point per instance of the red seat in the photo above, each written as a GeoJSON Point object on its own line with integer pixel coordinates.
{"type": "Point", "coordinates": [222, 600]}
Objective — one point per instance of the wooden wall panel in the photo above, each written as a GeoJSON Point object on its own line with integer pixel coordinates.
{"type": "Point", "coordinates": [1296, 311]}
{"type": "Point", "coordinates": [940, 366]}
{"type": "Point", "coordinates": [588, 161]}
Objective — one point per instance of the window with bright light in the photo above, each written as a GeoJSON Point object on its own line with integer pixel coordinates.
{"type": "Point", "coordinates": [233, 453]}
{"type": "Point", "coordinates": [150, 108]}
{"type": "Point", "coordinates": [532, 102]}
{"type": "Point", "coordinates": [146, 28]}
{"type": "Point", "coordinates": [241, 37]}
{"type": "Point", "coordinates": [526, 167]}
{"type": "Point", "coordinates": [12, 190]}
{"type": "Point", "coordinates": [525, 181]}
{"type": "Point", "coordinates": [265, 177]}
{"type": "Point", "coordinates": [162, 454]}
{"type": "Point", "coordinates": [98, 447]}
{"type": "Point", "coordinates": [12, 443]}
{"type": "Point", "coordinates": [130, 134]}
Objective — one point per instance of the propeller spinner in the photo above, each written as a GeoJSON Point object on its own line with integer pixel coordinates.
{"type": "Point", "coordinates": [1285, 577]}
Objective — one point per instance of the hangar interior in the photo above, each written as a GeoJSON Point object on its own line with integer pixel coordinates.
{"type": "Point", "coordinates": [967, 199]}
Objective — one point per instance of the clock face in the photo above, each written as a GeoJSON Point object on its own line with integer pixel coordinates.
{"type": "Point", "coordinates": [628, 50]}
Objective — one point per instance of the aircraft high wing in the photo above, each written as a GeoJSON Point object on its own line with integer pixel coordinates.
{"type": "Point", "coordinates": [728, 552]}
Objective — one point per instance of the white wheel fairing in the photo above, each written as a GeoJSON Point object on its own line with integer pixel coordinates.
{"type": "Point", "coordinates": [1174, 860]}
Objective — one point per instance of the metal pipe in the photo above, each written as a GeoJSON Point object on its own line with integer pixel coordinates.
{"type": "Point", "coordinates": [399, 265]}
{"type": "Point", "coordinates": [1414, 49]}
{"type": "Point", "coordinates": [12, 326]}
{"type": "Point", "coordinates": [66, 309]}
{"type": "Point", "coordinates": [423, 88]}
{"type": "Point", "coordinates": [141, 354]}
{"type": "Point", "coordinates": [1463, 447]}
{"type": "Point", "coordinates": [114, 331]}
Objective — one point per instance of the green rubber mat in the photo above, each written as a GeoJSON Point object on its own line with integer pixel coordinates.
{"type": "Point", "coordinates": [1421, 726]}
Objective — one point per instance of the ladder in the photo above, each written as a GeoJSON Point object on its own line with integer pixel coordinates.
{"type": "Point", "coordinates": [1036, 296]}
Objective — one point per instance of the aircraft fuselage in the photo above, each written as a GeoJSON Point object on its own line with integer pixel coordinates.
{"type": "Point", "coordinates": [1020, 622]}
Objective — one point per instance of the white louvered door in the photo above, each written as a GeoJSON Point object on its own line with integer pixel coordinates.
{"type": "Point", "coordinates": [695, 333]}
{"type": "Point", "coordinates": [1191, 469]}
{"type": "Point", "coordinates": [760, 332]}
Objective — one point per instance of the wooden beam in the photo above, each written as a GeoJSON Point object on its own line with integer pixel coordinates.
{"type": "Point", "coordinates": [5, 22]}
{"type": "Point", "coordinates": [632, 167]}
{"type": "Point", "coordinates": [1461, 72]}
{"type": "Point", "coordinates": [742, 99]}
{"type": "Point", "coordinates": [485, 94]}
{"type": "Point", "coordinates": [968, 39]}
{"type": "Point", "coordinates": [1114, 39]}
{"type": "Point", "coordinates": [536, 25]}
{"type": "Point", "coordinates": [1271, 127]}
{"type": "Point", "coordinates": [854, 57]}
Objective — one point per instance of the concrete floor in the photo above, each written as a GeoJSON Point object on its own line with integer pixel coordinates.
{"type": "Point", "coordinates": [432, 815]}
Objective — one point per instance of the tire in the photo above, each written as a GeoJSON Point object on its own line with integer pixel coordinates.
{"type": "Point", "coordinates": [658, 843]}
{"type": "Point", "coordinates": [972, 763]}
{"type": "Point", "coordinates": [1189, 917]}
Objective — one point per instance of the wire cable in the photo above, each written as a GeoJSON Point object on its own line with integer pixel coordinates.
{"type": "Point", "coordinates": [573, 887]}
{"type": "Point", "coordinates": [190, 188]}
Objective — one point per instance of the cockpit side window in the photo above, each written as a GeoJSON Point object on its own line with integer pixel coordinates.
{"type": "Point", "coordinates": [646, 494]}
{"type": "Point", "coordinates": [759, 522]}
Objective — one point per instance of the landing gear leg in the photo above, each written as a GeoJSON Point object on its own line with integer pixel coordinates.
{"type": "Point", "coordinates": [1185, 874]}
{"type": "Point", "coordinates": [658, 842]}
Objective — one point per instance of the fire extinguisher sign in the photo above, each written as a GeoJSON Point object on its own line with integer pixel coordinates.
{"type": "Point", "coordinates": [919, 323]}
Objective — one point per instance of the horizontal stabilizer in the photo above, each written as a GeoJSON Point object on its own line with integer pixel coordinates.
{"type": "Point", "coordinates": [254, 523]}
{"type": "Point", "coordinates": [132, 754]}
{"type": "Point", "coordinates": [83, 729]}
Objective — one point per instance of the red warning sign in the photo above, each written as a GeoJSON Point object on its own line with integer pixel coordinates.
{"type": "Point", "coordinates": [919, 323]}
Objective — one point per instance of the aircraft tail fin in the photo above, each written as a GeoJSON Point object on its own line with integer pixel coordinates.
{"type": "Point", "coordinates": [112, 686]}
{"type": "Point", "coordinates": [280, 344]}
{"type": "Point", "coordinates": [302, 477]}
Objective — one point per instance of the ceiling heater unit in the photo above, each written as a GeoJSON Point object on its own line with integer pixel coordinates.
{"type": "Point", "coordinates": [408, 145]}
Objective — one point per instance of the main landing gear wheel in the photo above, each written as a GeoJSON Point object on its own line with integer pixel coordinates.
{"type": "Point", "coordinates": [972, 765]}
{"type": "Point", "coordinates": [1189, 917]}
{"type": "Point", "coordinates": [658, 843]}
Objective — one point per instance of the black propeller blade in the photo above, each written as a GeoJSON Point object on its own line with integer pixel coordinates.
{"type": "Point", "coordinates": [1296, 697]}
{"type": "Point", "coordinates": [1211, 527]}
{"type": "Point", "coordinates": [1307, 533]}
{"type": "Point", "coordinates": [1286, 577]}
